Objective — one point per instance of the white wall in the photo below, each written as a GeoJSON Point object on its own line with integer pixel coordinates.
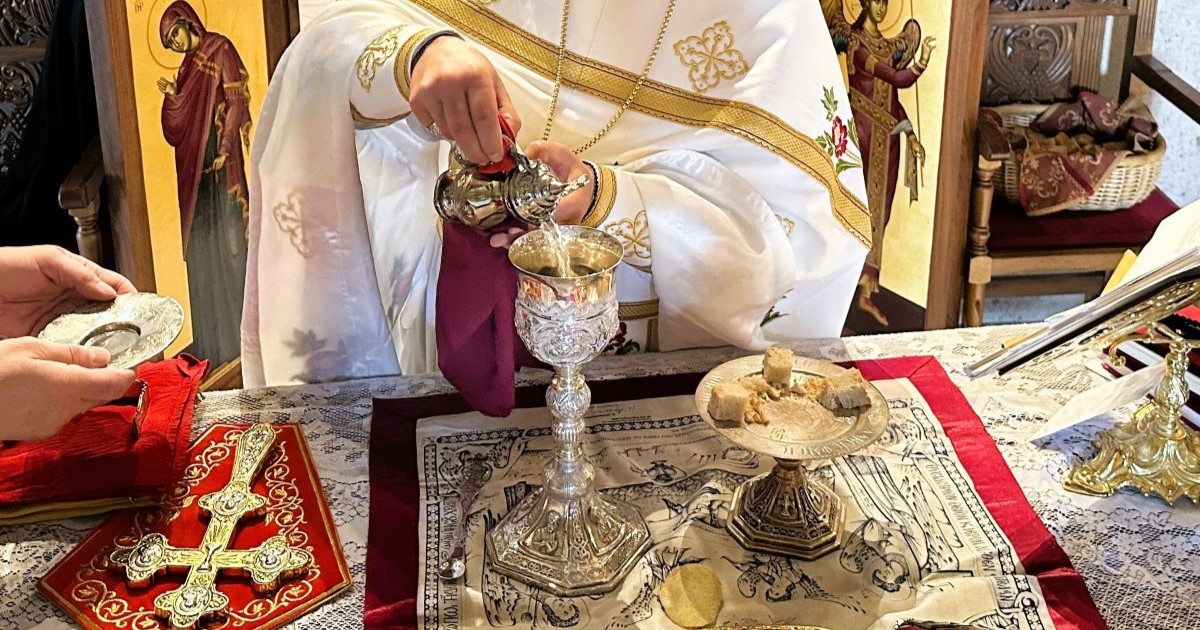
{"type": "Point", "coordinates": [1176, 44]}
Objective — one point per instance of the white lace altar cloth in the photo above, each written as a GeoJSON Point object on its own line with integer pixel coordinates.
{"type": "Point", "coordinates": [920, 543]}
{"type": "Point", "coordinates": [1138, 556]}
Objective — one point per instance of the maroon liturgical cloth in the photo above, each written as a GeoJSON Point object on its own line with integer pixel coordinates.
{"type": "Point", "coordinates": [477, 345]}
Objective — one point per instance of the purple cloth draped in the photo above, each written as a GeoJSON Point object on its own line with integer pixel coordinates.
{"type": "Point", "coordinates": [477, 344]}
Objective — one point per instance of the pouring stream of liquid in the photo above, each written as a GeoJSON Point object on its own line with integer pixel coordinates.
{"type": "Point", "coordinates": [558, 244]}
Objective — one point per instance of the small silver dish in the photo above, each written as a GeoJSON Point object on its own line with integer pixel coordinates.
{"type": "Point", "coordinates": [134, 328]}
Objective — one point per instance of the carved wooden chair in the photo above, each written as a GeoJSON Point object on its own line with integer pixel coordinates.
{"type": "Point", "coordinates": [1038, 51]}
{"type": "Point", "coordinates": [24, 28]}
{"type": "Point", "coordinates": [1062, 253]}
{"type": "Point", "coordinates": [80, 196]}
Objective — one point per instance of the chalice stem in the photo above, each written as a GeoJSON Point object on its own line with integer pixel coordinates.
{"type": "Point", "coordinates": [568, 397]}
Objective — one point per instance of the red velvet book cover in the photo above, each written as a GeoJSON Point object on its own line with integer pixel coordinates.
{"type": "Point", "coordinates": [96, 595]}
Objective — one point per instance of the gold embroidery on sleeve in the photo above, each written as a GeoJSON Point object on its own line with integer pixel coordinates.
{"type": "Point", "coordinates": [403, 57]}
{"type": "Point", "coordinates": [711, 57]}
{"type": "Point", "coordinates": [376, 54]}
{"type": "Point", "coordinates": [634, 235]}
{"type": "Point", "coordinates": [606, 196]}
{"type": "Point", "coordinates": [642, 309]}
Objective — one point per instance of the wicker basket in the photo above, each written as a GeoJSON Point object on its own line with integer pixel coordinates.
{"type": "Point", "coordinates": [1128, 185]}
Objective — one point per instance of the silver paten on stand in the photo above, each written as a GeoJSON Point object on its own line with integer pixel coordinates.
{"type": "Point", "coordinates": [565, 537]}
{"type": "Point", "coordinates": [783, 512]}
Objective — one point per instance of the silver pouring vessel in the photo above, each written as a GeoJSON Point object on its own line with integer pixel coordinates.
{"type": "Point", "coordinates": [565, 537]}
{"type": "Point", "coordinates": [529, 192]}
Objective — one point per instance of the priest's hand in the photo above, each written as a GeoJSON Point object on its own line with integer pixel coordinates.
{"type": "Point", "coordinates": [42, 282]}
{"type": "Point", "coordinates": [567, 166]}
{"type": "Point", "coordinates": [43, 385]}
{"type": "Point", "coordinates": [457, 88]}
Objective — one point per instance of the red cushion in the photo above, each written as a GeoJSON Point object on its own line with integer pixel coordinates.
{"type": "Point", "coordinates": [1131, 228]}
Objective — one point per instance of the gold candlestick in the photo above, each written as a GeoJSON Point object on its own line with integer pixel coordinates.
{"type": "Point", "coordinates": [198, 599]}
{"type": "Point", "coordinates": [1154, 452]}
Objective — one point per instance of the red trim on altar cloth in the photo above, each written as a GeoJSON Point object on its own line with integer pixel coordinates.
{"type": "Point", "coordinates": [1071, 606]}
{"type": "Point", "coordinates": [392, 548]}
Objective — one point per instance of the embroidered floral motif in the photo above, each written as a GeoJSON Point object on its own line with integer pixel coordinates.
{"type": "Point", "coordinates": [773, 314]}
{"type": "Point", "coordinates": [620, 345]}
{"type": "Point", "coordinates": [288, 218]}
{"type": "Point", "coordinates": [634, 235]}
{"type": "Point", "coordinates": [711, 57]}
{"type": "Point", "coordinates": [376, 54]}
{"type": "Point", "coordinates": [841, 137]}
{"type": "Point", "coordinates": [838, 140]}
{"type": "Point", "coordinates": [789, 225]}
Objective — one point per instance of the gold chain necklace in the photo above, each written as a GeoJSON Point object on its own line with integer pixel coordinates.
{"type": "Point", "coordinates": [562, 54]}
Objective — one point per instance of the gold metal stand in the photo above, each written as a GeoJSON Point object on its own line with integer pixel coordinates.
{"type": "Point", "coordinates": [784, 513]}
{"type": "Point", "coordinates": [1154, 452]}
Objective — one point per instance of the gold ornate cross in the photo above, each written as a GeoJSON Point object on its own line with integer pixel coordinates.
{"type": "Point", "coordinates": [198, 598]}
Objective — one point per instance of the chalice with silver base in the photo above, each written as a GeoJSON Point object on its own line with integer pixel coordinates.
{"type": "Point", "coordinates": [565, 537]}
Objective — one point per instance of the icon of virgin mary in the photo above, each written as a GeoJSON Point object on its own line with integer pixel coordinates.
{"type": "Point", "coordinates": [206, 118]}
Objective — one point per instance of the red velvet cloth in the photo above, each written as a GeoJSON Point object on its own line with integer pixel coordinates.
{"type": "Point", "coordinates": [211, 89]}
{"type": "Point", "coordinates": [94, 597]}
{"type": "Point", "coordinates": [507, 163]}
{"type": "Point", "coordinates": [94, 457]}
{"type": "Point", "coordinates": [477, 344]}
{"type": "Point", "coordinates": [392, 547]}
{"type": "Point", "coordinates": [1012, 230]}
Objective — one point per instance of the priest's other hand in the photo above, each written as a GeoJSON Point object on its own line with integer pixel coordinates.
{"type": "Point", "coordinates": [43, 385]}
{"type": "Point", "coordinates": [567, 166]}
{"type": "Point", "coordinates": [456, 87]}
{"type": "Point", "coordinates": [41, 282]}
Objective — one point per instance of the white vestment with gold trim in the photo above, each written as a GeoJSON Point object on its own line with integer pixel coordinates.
{"type": "Point", "coordinates": [733, 180]}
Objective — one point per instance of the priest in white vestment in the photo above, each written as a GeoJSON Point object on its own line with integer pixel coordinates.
{"type": "Point", "coordinates": [719, 176]}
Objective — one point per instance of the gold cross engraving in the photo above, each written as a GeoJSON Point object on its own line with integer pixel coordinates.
{"type": "Point", "coordinates": [198, 599]}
